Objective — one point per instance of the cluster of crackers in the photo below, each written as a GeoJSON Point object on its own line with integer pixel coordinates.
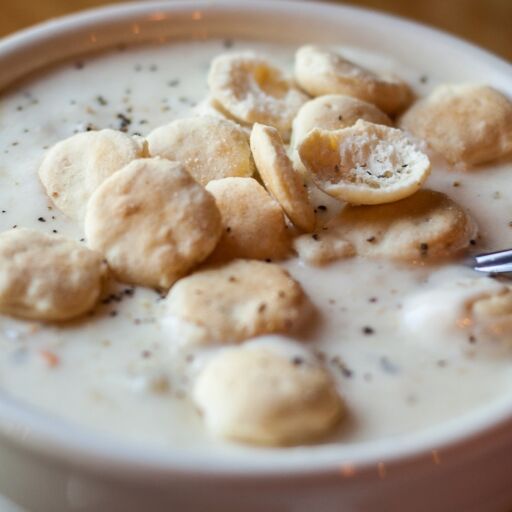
{"type": "Point", "coordinates": [204, 206]}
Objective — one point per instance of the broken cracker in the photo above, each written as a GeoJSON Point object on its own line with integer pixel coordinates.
{"type": "Point", "coordinates": [366, 163]}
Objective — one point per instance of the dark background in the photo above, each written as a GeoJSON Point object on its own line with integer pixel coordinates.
{"type": "Point", "coordinates": [487, 23]}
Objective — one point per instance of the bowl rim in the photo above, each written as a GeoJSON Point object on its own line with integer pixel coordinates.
{"type": "Point", "coordinates": [29, 429]}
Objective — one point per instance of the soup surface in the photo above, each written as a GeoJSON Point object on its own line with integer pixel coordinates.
{"type": "Point", "coordinates": [388, 331]}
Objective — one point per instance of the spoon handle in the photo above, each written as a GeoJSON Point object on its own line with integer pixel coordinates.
{"type": "Point", "coordinates": [496, 262]}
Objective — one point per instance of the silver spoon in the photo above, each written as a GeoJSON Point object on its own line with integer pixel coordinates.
{"type": "Point", "coordinates": [496, 262]}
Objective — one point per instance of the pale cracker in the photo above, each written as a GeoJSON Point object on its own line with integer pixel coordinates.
{"type": "Point", "coordinates": [331, 112]}
{"type": "Point", "coordinates": [280, 178]}
{"type": "Point", "coordinates": [254, 225]}
{"type": "Point", "coordinates": [263, 395]}
{"type": "Point", "coordinates": [47, 277]}
{"type": "Point", "coordinates": [466, 123]}
{"type": "Point", "coordinates": [366, 163]}
{"type": "Point", "coordinates": [425, 226]}
{"type": "Point", "coordinates": [209, 148]}
{"type": "Point", "coordinates": [320, 248]}
{"type": "Point", "coordinates": [73, 168]}
{"type": "Point", "coordinates": [253, 90]}
{"type": "Point", "coordinates": [152, 222]}
{"type": "Point", "coordinates": [322, 71]}
{"type": "Point", "coordinates": [239, 300]}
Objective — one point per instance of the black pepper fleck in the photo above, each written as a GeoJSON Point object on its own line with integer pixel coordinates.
{"type": "Point", "coordinates": [297, 361]}
{"type": "Point", "coordinates": [41, 219]}
{"type": "Point", "coordinates": [101, 100]}
{"type": "Point", "coordinates": [342, 367]}
{"type": "Point", "coordinates": [368, 330]}
{"type": "Point", "coordinates": [124, 122]}
{"type": "Point", "coordinates": [387, 366]}
{"type": "Point", "coordinates": [262, 307]}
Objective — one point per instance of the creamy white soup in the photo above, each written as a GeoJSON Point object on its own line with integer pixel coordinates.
{"type": "Point", "coordinates": [388, 332]}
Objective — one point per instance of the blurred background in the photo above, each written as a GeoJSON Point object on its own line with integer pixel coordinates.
{"type": "Point", "coordinates": [487, 23]}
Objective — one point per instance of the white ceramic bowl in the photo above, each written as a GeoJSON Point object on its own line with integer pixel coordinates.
{"type": "Point", "coordinates": [462, 465]}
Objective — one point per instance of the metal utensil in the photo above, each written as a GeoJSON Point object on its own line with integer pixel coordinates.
{"type": "Point", "coordinates": [497, 262]}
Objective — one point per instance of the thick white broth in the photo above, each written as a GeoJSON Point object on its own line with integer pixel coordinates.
{"type": "Point", "coordinates": [119, 372]}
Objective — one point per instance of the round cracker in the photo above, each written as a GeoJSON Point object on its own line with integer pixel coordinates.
{"type": "Point", "coordinates": [47, 277]}
{"type": "Point", "coordinates": [74, 168]}
{"type": "Point", "coordinates": [322, 71]}
{"type": "Point", "coordinates": [263, 395]}
{"type": "Point", "coordinates": [426, 225]}
{"type": "Point", "coordinates": [490, 314]}
{"type": "Point", "coordinates": [254, 225]}
{"type": "Point", "coordinates": [210, 148]}
{"type": "Point", "coordinates": [152, 222]}
{"type": "Point", "coordinates": [466, 123]}
{"type": "Point", "coordinates": [239, 300]}
{"type": "Point", "coordinates": [279, 176]}
{"type": "Point", "coordinates": [253, 90]}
